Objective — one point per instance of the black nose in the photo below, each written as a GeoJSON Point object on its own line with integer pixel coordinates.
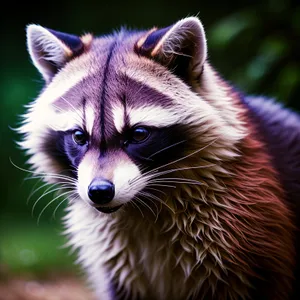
{"type": "Point", "coordinates": [101, 191]}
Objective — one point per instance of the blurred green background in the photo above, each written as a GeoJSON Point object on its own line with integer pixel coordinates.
{"type": "Point", "coordinates": [254, 44]}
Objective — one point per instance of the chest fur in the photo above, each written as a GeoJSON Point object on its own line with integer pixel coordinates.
{"type": "Point", "coordinates": [153, 261]}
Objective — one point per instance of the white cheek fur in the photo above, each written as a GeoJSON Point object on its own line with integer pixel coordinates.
{"type": "Point", "coordinates": [128, 183]}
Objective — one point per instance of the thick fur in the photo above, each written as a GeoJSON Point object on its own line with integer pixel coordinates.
{"type": "Point", "coordinates": [220, 221]}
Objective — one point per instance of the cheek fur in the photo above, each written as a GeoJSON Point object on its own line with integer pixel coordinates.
{"type": "Point", "coordinates": [124, 173]}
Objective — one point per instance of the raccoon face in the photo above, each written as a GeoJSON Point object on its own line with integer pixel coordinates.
{"type": "Point", "coordinates": [125, 113]}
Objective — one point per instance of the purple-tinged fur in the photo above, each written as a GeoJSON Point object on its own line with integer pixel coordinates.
{"type": "Point", "coordinates": [280, 130]}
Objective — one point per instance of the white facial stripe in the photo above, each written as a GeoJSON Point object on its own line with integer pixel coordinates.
{"type": "Point", "coordinates": [89, 119]}
{"type": "Point", "coordinates": [64, 121]}
{"type": "Point", "coordinates": [58, 121]}
{"type": "Point", "coordinates": [118, 115]}
{"type": "Point", "coordinates": [192, 108]}
{"type": "Point", "coordinates": [169, 86]}
{"type": "Point", "coordinates": [86, 173]}
{"type": "Point", "coordinates": [152, 116]}
{"type": "Point", "coordinates": [123, 174]}
{"type": "Point", "coordinates": [74, 72]}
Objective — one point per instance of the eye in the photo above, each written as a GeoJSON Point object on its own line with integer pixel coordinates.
{"type": "Point", "coordinates": [139, 134]}
{"type": "Point", "coordinates": [79, 137]}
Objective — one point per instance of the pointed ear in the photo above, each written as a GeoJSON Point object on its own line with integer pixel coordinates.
{"type": "Point", "coordinates": [181, 47]}
{"type": "Point", "coordinates": [50, 50]}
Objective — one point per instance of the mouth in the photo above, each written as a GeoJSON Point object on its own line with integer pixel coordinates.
{"type": "Point", "coordinates": [108, 210]}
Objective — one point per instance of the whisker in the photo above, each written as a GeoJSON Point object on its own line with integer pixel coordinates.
{"type": "Point", "coordinates": [160, 201]}
{"type": "Point", "coordinates": [177, 180]}
{"type": "Point", "coordinates": [135, 198]}
{"type": "Point", "coordinates": [42, 186]}
{"type": "Point", "coordinates": [157, 190]}
{"type": "Point", "coordinates": [73, 183]}
{"type": "Point", "coordinates": [179, 169]}
{"type": "Point", "coordinates": [60, 203]}
{"type": "Point", "coordinates": [161, 185]}
{"type": "Point", "coordinates": [47, 191]}
{"type": "Point", "coordinates": [33, 190]}
{"type": "Point", "coordinates": [166, 148]}
{"type": "Point", "coordinates": [53, 215]}
{"type": "Point", "coordinates": [44, 194]}
{"type": "Point", "coordinates": [49, 175]}
{"type": "Point", "coordinates": [182, 158]}
{"type": "Point", "coordinates": [143, 158]}
{"type": "Point", "coordinates": [150, 172]}
{"type": "Point", "coordinates": [146, 205]}
{"type": "Point", "coordinates": [39, 175]}
{"type": "Point", "coordinates": [148, 196]}
{"type": "Point", "coordinates": [155, 176]}
{"type": "Point", "coordinates": [174, 178]}
{"type": "Point", "coordinates": [60, 195]}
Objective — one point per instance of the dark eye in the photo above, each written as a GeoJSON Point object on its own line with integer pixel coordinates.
{"type": "Point", "coordinates": [139, 134]}
{"type": "Point", "coordinates": [79, 137]}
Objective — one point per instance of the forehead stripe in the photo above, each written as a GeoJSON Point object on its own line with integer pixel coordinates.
{"type": "Point", "coordinates": [74, 73]}
{"type": "Point", "coordinates": [118, 116]}
{"type": "Point", "coordinates": [152, 116]}
{"type": "Point", "coordinates": [103, 97]}
{"type": "Point", "coordinates": [89, 119]}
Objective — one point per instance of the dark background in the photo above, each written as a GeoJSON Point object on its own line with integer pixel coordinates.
{"type": "Point", "coordinates": [254, 44]}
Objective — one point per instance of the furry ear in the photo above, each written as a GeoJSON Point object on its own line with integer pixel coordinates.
{"type": "Point", "coordinates": [180, 47]}
{"type": "Point", "coordinates": [50, 50]}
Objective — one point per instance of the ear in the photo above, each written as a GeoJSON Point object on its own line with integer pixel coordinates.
{"type": "Point", "coordinates": [50, 50]}
{"type": "Point", "coordinates": [181, 47]}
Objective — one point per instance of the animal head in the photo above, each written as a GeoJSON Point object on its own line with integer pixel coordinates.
{"type": "Point", "coordinates": [127, 113]}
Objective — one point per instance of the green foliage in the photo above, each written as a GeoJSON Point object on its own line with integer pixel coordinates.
{"type": "Point", "coordinates": [256, 48]}
{"type": "Point", "coordinates": [25, 249]}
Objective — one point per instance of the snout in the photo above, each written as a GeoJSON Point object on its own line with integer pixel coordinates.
{"type": "Point", "coordinates": [102, 192]}
{"type": "Point", "coordinates": [107, 183]}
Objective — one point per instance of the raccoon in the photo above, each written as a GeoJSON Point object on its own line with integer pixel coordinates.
{"type": "Point", "coordinates": [181, 187]}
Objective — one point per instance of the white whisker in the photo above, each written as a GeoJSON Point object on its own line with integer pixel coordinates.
{"type": "Point", "coordinates": [44, 176]}
{"type": "Point", "coordinates": [157, 190]}
{"type": "Point", "coordinates": [148, 196]}
{"type": "Point", "coordinates": [135, 198]}
{"type": "Point", "coordinates": [182, 158]}
{"type": "Point", "coordinates": [34, 190]}
{"type": "Point", "coordinates": [158, 199]}
{"type": "Point", "coordinates": [151, 173]}
{"type": "Point", "coordinates": [70, 198]}
{"type": "Point", "coordinates": [176, 180]}
{"type": "Point", "coordinates": [179, 169]}
{"type": "Point", "coordinates": [166, 148]}
{"type": "Point", "coordinates": [52, 185]}
{"type": "Point", "coordinates": [60, 195]}
{"type": "Point", "coordinates": [146, 205]}
{"type": "Point", "coordinates": [46, 193]}
{"type": "Point", "coordinates": [161, 185]}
